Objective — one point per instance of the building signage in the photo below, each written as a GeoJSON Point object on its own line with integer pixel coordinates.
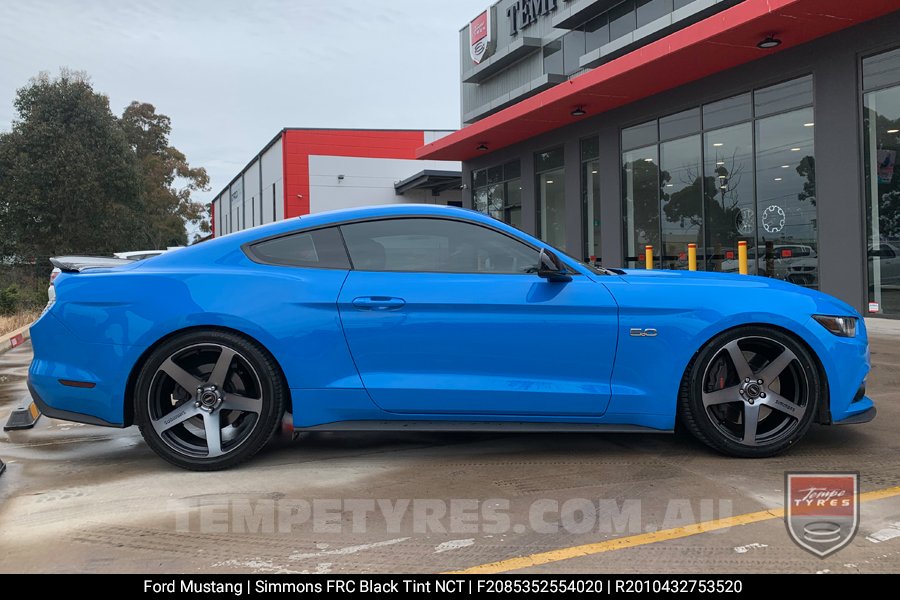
{"type": "Point", "coordinates": [481, 36]}
{"type": "Point", "coordinates": [524, 13]}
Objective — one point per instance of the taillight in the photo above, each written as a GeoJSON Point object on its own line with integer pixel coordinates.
{"type": "Point", "coordinates": [53, 275]}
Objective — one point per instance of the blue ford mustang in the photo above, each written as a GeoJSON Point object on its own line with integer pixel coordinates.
{"type": "Point", "coordinates": [434, 318]}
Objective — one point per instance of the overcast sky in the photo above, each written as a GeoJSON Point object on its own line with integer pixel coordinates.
{"type": "Point", "coordinates": [231, 73]}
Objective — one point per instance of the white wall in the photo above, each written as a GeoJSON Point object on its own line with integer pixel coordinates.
{"type": "Point", "coordinates": [369, 181]}
{"type": "Point", "coordinates": [272, 164]}
{"type": "Point", "coordinates": [252, 195]}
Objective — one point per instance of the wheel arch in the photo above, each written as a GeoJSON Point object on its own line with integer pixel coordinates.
{"type": "Point", "coordinates": [131, 382]}
{"type": "Point", "coordinates": [823, 412]}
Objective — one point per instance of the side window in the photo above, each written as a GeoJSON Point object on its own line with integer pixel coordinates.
{"type": "Point", "coordinates": [436, 246]}
{"type": "Point", "coordinates": [318, 249]}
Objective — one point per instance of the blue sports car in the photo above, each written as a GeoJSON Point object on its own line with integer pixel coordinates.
{"type": "Point", "coordinates": [434, 318]}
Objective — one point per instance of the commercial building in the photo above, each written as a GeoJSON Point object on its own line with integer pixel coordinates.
{"type": "Point", "coordinates": [303, 171]}
{"type": "Point", "coordinates": [606, 126]}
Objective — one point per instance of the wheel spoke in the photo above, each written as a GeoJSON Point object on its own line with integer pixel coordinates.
{"type": "Point", "coordinates": [176, 417]}
{"type": "Point", "coordinates": [740, 363]}
{"type": "Point", "coordinates": [771, 371]}
{"type": "Point", "coordinates": [187, 381]}
{"type": "Point", "coordinates": [751, 420]}
{"type": "Point", "coordinates": [220, 372]}
{"type": "Point", "coordinates": [783, 405]}
{"type": "Point", "coordinates": [242, 403]}
{"type": "Point", "coordinates": [721, 396]}
{"type": "Point", "coordinates": [213, 429]}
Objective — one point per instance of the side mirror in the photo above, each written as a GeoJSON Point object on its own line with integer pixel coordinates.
{"type": "Point", "coordinates": [551, 268]}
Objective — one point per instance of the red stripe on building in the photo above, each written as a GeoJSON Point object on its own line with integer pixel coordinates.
{"type": "Point", "coordinates": [300, 144]}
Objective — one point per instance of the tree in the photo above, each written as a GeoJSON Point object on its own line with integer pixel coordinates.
{"type": "Point", "coordinates": [167, 179]}
{"type": "Point", "coordinates": [69, 182]}
{"type": "Point", "coordinates": [75, 179]}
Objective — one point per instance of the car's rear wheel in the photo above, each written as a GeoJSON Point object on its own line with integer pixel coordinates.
{"type": "Point", "coordinates": [208, 400]}
{"type": "Point", "coordinates": [751, 392]}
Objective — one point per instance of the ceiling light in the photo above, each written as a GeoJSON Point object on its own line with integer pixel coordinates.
{"type": "Point", "coordinates": [795, 149]}
{"type": "Point", "coordinates": [718, 144]}
{"type": "Point", "coordinates": [721, 163]}
{"type": "Point", "coordinates": [670, 185]}
{"type": "Point", "coordinates": [809, 124]}
{"type": "Point", "coordinates": [579, 112]}
{"type": "Point", "coordinates": [482, 147]}
{"type": "Point", "coordinates": [648, 160]}
{"type": "Point", "coordinates": [893, 130]}
{"type": "Point", "coordinates": [779, 179]}
{"type": "Point", "coordinates": [549, 181]}
{"type": "Point", "coordinates": [721, 177]}
{"type": "Point", "coordinates": [724, 187]}
{"type": "Point", "coordinates": [770, 42]}
{"type": "Point", "coordinates": [785, 166]}
{"type": "Point", "coordinates": [593, 172]}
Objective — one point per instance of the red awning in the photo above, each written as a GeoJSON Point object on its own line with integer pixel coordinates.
{"type": "Point", "coordinates": [722, 41]}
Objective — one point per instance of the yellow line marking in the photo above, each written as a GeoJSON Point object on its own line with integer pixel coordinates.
{"type": "Point", "coordinates": [552, 556]}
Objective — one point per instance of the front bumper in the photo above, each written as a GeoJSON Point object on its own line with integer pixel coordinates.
{"type": "Point", "coordinates": [859, 418]}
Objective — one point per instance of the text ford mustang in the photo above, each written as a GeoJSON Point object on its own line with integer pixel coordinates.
{"type": "Point", "coordinates": [434, 318]}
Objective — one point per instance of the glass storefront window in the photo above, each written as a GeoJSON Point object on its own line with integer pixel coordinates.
{"type": "Point", "coordinates": [783, 96]}
{"type": "Point", "coordinates": [590, 196]}
{"type": "Point", "coordinates": [882, 144]}
{"type": "Point", "coordinates": [681, 197]}
{"type": "Point", "coordinates": [640, 185]}
{"type": "Point", "coordinates": [551, 190]}
{"type": "Point", "coordinates": [727, 112]}
{"type": "Point", "coordinates": [747, 176]}
{"type": "Point", "coordinates": [786, 198]}
{"type": "Point", "coordinates": [640, 135]}
{"type": "Point", "coordinates": [680, 124]}
{"type": "Point", "coordinates": [728, 190]}
{"type": "Point", "coordinates": [497, 191]}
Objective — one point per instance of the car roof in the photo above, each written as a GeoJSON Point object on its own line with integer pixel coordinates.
{"type": "Point", "coordinates": [215, 249]}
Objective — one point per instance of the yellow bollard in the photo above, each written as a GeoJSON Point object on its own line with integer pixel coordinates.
{"type": "Point", "coordinates": [692, 257]}
{"type": "Point", "coordinates": [649, 253]}
{"type": "Point", "coordinates": [742, 257]}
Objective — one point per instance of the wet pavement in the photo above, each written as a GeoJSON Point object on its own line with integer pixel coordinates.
{"type": "Point", "coordinates": [77, 498]}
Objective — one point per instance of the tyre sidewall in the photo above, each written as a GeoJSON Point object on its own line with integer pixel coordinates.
{"type": "Point", "coordinates": [707, 431]}
{"type": "Point", "coordinates": [270, 382]}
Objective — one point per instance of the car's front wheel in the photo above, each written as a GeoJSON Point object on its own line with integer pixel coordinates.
{"type": "Point", "coordinates": [751, 392]}
{"type": "Point", "coordinates": [208, 400]}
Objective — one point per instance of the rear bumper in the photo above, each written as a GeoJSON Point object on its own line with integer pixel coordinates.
{"type": "Point", "coordinates": [65, 415]}
{"type": "Point", "coordinates": [59, 356]}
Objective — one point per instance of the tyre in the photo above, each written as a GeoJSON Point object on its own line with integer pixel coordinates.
{"type": "Point", "coordinates": [206, 401]}
{"type": "Point", "coordinates": [751, 392]}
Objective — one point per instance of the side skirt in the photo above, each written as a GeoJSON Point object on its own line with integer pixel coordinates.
{"type": "Point", "coordinates": [480, 426]}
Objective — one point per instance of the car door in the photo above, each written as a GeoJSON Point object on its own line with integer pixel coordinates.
{"type": "Point", "coordinates": [445, 316]}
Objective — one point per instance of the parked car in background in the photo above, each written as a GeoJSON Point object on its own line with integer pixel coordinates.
{"type": "Point", "coordinates": [132, 255]}
{"type": "Point", "coordinates": [796, 263]}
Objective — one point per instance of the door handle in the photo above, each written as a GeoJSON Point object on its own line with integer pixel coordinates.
{"type": "Point", "coordinates": [379, 303]}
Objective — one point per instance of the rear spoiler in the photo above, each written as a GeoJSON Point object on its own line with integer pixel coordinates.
{"type": "Point", "coordinates": [77, 264]}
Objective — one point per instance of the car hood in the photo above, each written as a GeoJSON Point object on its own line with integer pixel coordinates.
{"type": "Point", "coordinates": [744, 282]}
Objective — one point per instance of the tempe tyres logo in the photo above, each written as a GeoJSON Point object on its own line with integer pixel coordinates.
{"type": "Point", "coordinates": [821, 510]}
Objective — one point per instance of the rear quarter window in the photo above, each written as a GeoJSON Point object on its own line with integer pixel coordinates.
{"type": "Point", "coordinates": [318, 249]}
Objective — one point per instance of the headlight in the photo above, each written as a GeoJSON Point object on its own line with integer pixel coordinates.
{"type": "Point", "coordinates": [840, 326]}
